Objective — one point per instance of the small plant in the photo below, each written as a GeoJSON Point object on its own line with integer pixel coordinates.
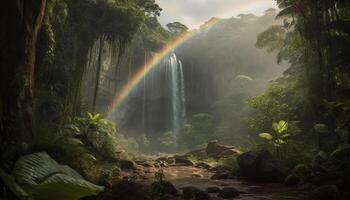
{"type": "Point", "coordinates": [279, 137]}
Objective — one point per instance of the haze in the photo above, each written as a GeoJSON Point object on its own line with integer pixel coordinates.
{"type": "Point", "coordinates": [194, 12]}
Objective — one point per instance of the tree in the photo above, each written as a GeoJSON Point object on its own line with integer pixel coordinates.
{"type": "Point", "coordinates": [176, 28]}
{"type": "Point", "coordinates": [20, 24]}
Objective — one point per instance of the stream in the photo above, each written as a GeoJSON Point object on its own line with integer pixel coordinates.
{"type": "Point", "coordinates": [182, 176]}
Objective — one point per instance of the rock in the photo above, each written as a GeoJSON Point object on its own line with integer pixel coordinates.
{"type": "Point", "coordinates": [228, 192]}
{"type": "Point", "coordinates": [145, 163]}
{"type": "Point", "coordinates": [183, 162]}
{"type": "Point", "coordinates": [203, 165]}
{"type": "Point", "coordinates": [194, 193]}
{"type": "Point", "coordinates": [164, 187]}
{"type": "Point", "coordinates": [218, 168]}
{"type": "Point", "coordinates": [292, 180]}
{"type": "Point", "coordinates": [163, 165]}
{"type": "Point", "coordinates": [198, 153]}
{"type": "Point", "coordinates": [214, 149]}
{"type": "Point", "coordinates": [126, 164]}
{"type": "Point", "coordinates": [220, 176]}
{"type": "Point", "coordinates": [130, 190]}
{"type": "Point", "coordinates": [301, 169]}
{"type": "Point", "coordinates": [212, 189]}
{"type": "Point", "coordinates": [167, 160]}
{"type": "Point", "coordinates": [229, 152]}
{"type": "Point", "coordinates": [196, 175]}
{"type": "Point", "coordinates": [327, 192]}
{"type": "Point", "coordinates": [168, 197]}
{"type": "Point", "coordinates": [260, 166]}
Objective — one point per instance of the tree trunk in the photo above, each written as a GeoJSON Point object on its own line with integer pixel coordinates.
{"type": "Point", "coordinates": [20, 23]}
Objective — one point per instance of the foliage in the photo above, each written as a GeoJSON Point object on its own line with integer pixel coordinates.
{"type": "Point", "coordinates": [280, 133]}
{"type": "Point", "coordinates": [230, 162]}
{"type": "Point", "coordinates": [38, 176]}
{"type": "Point", "coordinates": [99, 135]}
{"type": "Point", "coordinates": [176, 28]}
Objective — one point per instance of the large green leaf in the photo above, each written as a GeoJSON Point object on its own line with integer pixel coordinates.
{"type": "Point", "coordinates": [280, 126]}
{"type": "Point", "coordinates": [43, 178]}
{"type": "Point", "coordinates": [266, 136]}
{"type": "Point", "coordinates": [13, 186]}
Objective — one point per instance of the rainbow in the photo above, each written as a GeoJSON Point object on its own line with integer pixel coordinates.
{"type": "Point", "coordinates": [142, 71]}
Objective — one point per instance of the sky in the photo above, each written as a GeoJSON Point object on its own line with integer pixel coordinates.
{"type": "Point", "coordinates": [193, 13]}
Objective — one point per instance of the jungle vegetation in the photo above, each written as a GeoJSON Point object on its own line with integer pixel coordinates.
{"type": "Point", "coordinates": [55, 89]}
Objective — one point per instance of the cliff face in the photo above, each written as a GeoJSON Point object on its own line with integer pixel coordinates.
{"type": "Point", "coordinates": [214, 60]}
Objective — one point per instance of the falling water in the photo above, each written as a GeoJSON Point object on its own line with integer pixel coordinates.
{"type": "Point", "coordinates": [177, 89]}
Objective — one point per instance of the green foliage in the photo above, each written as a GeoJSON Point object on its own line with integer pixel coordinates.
{"type": "Point", "coordinates": [99, 135]}
{"type": "Point", "coordinates": [176, 28]}
{"type": "Point", "coordinates": [280, 135]}
{"type": "Point", "coordinates": [230, 162]}
{"type": "Point", "coordinates": [40, 177]}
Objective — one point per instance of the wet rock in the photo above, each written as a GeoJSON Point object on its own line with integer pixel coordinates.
{"type": "Point", "coordinates": [214, 149]}
{"type": "Point", "coordinates": [163, 165]}
{"type": "Point", "coordinates": [228, 192]}
{"type": "Point", "coordinates": [126, 164]}
{"type": "Point", "coordinates": [292, 180]}
{"type": "Point", "coordinates": [164, 187]}
{"type": "Point", "coordinates": [196, 175]}
{"type": "Point", "coordinates": [212, 189]}
{"type": "Point", "coordinates": [130, 190]}
{"type": "Point", "coordinates": [260, 166]}
{"type": "Point", "coordinates": [327, 192]}
{"type": "Point", "coordinates": [301, 169]}
{"type": "Point", "coordinates": [220, 176]}
{"type": "Point", "coordinates": [194, 193]}
{"type": "Point", "coordinates": [183, 162]}
{"type": "Point", "coordinates": [198, 153]}
{"type": "Point", "coordinates": [229, 152]}
{"type": "Point", "coordinates": [203, 165]}
{"type": "Point", "coordinates": [145, 163]}
{"type": "Point", "coordinates": [167, 160]}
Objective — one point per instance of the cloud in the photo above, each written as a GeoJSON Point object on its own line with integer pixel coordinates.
{"type": "Point", "coordinates": [195, 12]}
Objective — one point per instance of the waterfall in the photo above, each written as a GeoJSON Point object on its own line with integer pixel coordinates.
{"type": "Point", "coordinates": [177, 90]}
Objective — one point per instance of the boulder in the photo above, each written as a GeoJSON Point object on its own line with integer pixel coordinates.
{"type": "Point", "coordinates": [126, 164]}
{"type": "Point", "coordinates": [167, 160]}
{"type": "Point", "coordinates": [220, 176]}
{"type": "Point", "coordinates": [183, 162]}
{"type": "Point", "coordinates": [198, 153]}
{"type": "Point", "coordinates": [164, 187]}
{"type": "Point", "coordinates": [203, 165]}
{"type": "Point", "coordinates": [194, 193]}
{"type": "Point", "coordinates": [229, 152]}
{"type": "Point", "coordinates": [301, 169]}
{"type": "Point", "coordinates": [260, 166]}
{"type": "Point", "coordinates": [212, 189]}
{"type": "Point", "coordinates": [130, 190]}
{"type": "Point", "coordinates": [327, 192]}
{"type": "Point", "coordinates": [145, 163]}
{"type": "Point", "coordinates": [214, 149]}
{"type": "Point", "coordinates": [292, 180]}
{"type": "Point", "coordinates": [228, 193]}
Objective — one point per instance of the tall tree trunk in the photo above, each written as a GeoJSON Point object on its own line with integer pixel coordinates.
{"type": "Point", "coordinates": [20, 23]}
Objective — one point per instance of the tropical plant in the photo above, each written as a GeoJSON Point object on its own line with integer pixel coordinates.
{"type": "Point", "coordinates": [279, 136]}
{"type": "Point", "coordinates": [38, 177]}
{"type": "Point", "coordinates": [98, 134]}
